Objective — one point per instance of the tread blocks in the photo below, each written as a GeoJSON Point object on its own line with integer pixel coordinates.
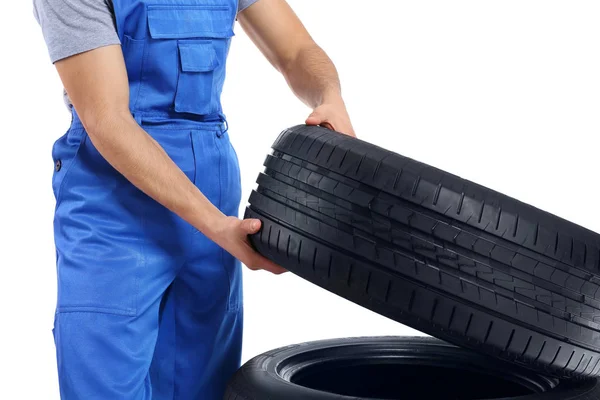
{"type": "Point", "coordinates": [431, 250]}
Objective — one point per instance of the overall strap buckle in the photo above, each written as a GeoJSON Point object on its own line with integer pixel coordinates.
{"type": "Point", "coordinates": [224, 127]}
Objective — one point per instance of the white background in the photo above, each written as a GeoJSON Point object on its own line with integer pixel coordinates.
{"type": "Point", "coordinates": [505, 93]}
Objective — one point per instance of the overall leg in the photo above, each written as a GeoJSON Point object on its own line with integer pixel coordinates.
{"type": "Point", "coordinates": [200, 339]}
{"type": "Point", "coordinates": [199, 345]}
{"type": "Point", "coordinates": [117, 253]}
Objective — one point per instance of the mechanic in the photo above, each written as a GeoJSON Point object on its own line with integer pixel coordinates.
{"type": "Point", "coordinates": [147, 188]}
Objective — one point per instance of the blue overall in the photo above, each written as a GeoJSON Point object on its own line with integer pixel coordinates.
{"type": "Point", "coordinates": [148, 307]}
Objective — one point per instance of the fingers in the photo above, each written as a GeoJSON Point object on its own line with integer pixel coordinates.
{"type": "Point", "coordinates": [319, 118]}
{"type": "Point", "coordinates": [250, 226]}
{"type": "Point", "coordinates": [327, 125]}
{"type": "Point", "coordinates": [259, 262]}
{"type": "Point", "coordinates": [272, 267]}
{"type": "Point", "coordinates": [316, 118]}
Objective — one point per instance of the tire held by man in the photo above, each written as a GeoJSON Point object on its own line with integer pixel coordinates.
{"type": "Point", "coordinates": [394, 368]}
{"type": "Point", "coordinates": [431, 250]}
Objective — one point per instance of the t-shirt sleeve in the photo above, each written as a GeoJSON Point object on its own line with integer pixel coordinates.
{"type": "Point", "coordinates": [243, 4]}
{"type": "Point", "coordinates": [75, 26]}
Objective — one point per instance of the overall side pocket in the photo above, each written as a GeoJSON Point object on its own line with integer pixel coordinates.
{"type": "Point", "coordinates": [98, 232]}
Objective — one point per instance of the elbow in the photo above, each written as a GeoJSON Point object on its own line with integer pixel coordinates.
{"type": "Point", "coordinates": [286, 65]}
{"type": "Point", "coordinates": [100, 121]}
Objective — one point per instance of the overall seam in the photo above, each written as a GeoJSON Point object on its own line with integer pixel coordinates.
{"type": "Point", "coordinates": [198, 127]}
{"type": "Point", "coordinates": [218, 142]}
{"type": "Point", "coordinates": [179, 72]}
{"type": "Point", "coordinates": [194, 143]}
{"type": "Point", "coordinates": [94, 310]}
{"type": "Point", "coordinates": [142, 75]}
{"type": "Point", "coordinates": [175, 391]}
{"type": "Point", "coordinates": [194, 156]}
{"type": "Point", "coordinates": [142, 266]}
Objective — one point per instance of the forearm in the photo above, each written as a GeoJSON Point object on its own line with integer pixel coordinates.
{"type": "Point", "coordinates": [279, 34]}
{"type": "Point", "coordinates": [138, 157]}
{"type": "Point", "coordinates": [312, 76]}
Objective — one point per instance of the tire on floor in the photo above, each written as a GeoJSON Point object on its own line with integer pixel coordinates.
{"type": "Point", "coordinates": [394, 368]}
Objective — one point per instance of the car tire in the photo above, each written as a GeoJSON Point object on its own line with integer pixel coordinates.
{"type": "Point", "coordinates": [431, 250]}
{"type": "Point", "coordinates": [394, 368]}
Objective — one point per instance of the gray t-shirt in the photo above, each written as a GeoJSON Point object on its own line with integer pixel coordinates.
{"type": "Point", "coordinates": [75, 26]}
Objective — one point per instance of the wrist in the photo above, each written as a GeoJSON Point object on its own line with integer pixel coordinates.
{"type": "Point", "coordinates": [208, 219]}
{"type": "Point", "coordinates": [214, 227]}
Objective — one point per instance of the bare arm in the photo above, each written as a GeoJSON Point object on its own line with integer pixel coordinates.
{"type": "Point", "coordinates": [98, 87]}
{"type": "Point", "coordinates": [279, 34]}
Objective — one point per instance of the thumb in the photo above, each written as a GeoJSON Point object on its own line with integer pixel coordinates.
{"type": "Point", "coordinates": [250, 226]}
{"type": "Point", "coordinates": [315, 118]}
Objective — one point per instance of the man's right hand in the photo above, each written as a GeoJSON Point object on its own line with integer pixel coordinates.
{"type": "Point", "coordinates": [232, 235]}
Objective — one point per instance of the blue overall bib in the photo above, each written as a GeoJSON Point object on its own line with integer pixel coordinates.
{"type": "Point", "coordinates": [148, 307]}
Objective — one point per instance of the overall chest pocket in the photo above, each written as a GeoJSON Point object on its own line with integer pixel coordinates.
{"type": "Point", "coordinates": [192, 41]}
{"type": "Point", "coordinates": [196, 91]}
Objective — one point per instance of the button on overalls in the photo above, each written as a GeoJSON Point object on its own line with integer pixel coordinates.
{"type": "Point", "coordinates": [148, 307]}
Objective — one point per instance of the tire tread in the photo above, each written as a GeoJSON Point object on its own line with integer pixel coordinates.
{"type": "Point", "coordinates": [416, 244]}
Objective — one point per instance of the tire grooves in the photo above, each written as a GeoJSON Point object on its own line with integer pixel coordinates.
{"type": "Point", "coordinates": [447, 333]}
{"type": "Point", "coordinates": [534, 280]}
{"type": "Point", "coordinates": [397, 161]}
{"type": "Point", "coordinates": [578, 273]}
{"type": "Point", "coordinates": [274, 219]}
{"type": "Point", "coordinates": [459, 274]}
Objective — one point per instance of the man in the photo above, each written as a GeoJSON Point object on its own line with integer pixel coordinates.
{"type": "Point", "coordinates": [147, 188]}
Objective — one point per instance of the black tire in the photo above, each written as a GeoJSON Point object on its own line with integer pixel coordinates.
{"type": "Point", "coordinates": [394, 368]}
{"type": "Point", "coordinates": [431, 250]}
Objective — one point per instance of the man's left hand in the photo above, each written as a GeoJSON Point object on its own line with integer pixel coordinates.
{"type": "Point", "coordinates": [334, 116]}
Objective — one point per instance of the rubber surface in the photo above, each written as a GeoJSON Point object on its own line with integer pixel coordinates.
{"type": "Point", "coordinates": [432, 250]}
{"type": "Point", "coordinates": [394, 368]}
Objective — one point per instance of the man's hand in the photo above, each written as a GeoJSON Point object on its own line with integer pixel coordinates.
{"type": "Point", "coordinates": [232, 235]}
{"type": "Point", "coordinates": [333, 116]}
